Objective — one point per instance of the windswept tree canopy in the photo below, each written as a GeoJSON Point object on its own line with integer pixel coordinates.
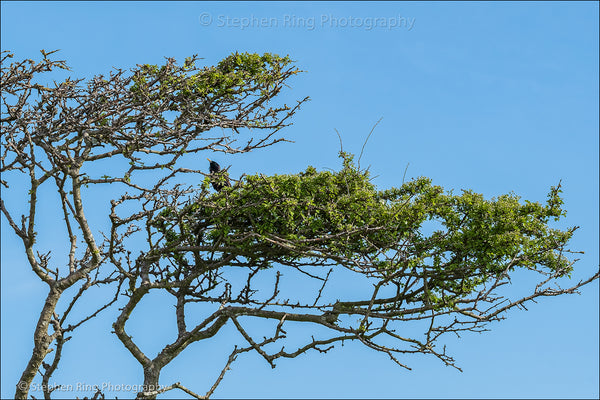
{"type": "Point", "coordinates": [421, 261]}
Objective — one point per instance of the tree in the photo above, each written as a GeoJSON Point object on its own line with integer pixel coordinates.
{"type": "Point", "coordinates": [428, 259]}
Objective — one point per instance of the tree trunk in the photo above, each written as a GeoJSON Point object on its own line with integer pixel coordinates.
{"type": "Point", "coordinates": [42, 341]}
{"type": "Point", "coordinates": [151, 375]}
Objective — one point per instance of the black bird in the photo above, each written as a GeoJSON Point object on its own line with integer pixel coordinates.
{"type": "Point", "coordinates": [219, 179]}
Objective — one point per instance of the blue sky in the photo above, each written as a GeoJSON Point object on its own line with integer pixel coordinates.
{"type": "Point", "coordinates": [495, 97]}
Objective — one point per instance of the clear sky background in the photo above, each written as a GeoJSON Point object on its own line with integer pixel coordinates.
{"type": "Point", "coordinates": [495, 97]}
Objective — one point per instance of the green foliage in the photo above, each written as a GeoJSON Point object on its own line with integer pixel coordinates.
{"type": "Point", "coordinates": [240, 74]}
{"type": "Point", "coordinates": [341, 216]}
